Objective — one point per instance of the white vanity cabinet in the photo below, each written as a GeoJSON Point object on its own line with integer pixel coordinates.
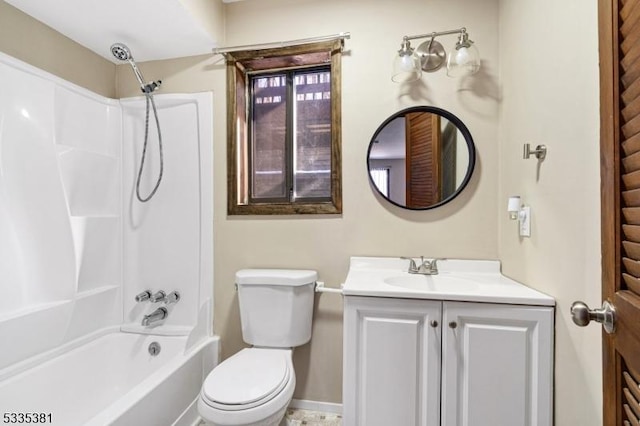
{"type": "Point", "coordinates": [392, 362]}
{"type": "Point", "coordinates": [497, 365]}
{"type": "Point", "coordinates": [451, 363]}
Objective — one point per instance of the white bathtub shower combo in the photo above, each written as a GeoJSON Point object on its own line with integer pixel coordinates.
{"type": "Point", "coordinates": [77, 247]}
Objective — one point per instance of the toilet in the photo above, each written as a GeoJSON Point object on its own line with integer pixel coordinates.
{"type": "Point", "coordinates": [254, 387]}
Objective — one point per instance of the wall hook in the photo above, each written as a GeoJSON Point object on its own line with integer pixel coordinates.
{"type": "Point", "coordinates": [540, 152]}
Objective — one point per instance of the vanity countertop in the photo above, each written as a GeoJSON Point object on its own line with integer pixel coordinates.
{"type": "Point", "coordinates": [457, 280]}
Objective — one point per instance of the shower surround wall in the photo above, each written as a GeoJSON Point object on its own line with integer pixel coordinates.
{"type": "Point", "coordinates": [67, 216]}
{"type": "Point", "coordinates": [60, 212]}
{"type": "Point", "coordinates": [168, 241]}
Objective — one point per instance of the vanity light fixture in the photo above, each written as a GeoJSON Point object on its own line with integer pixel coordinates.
{"type": "Point", "coordinates": [463, 59]}
{"type": "Point", "coordinates": [521, 213]}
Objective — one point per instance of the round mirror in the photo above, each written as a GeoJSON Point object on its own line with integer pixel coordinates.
{"type": "Point", "coordinates": [421, 158]}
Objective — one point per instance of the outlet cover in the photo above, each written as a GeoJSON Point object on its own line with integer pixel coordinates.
{"type": "Point", "coordinates": [525, 222]}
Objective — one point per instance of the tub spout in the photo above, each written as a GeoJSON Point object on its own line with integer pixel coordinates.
{"type": "Point", "coordinates": [157, 315]}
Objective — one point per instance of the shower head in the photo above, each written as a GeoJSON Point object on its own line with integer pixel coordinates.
{"type": "Point", "coordinates": [121, 51]}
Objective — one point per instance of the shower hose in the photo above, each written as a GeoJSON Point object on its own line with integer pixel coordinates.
{"type": "Point", "coordinates": [149, 99]}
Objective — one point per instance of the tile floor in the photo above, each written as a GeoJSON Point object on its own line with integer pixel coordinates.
{"type": "Point", "coordinates": [298, 417]}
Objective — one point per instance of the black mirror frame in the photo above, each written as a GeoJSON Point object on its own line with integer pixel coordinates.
{"type": "Point", "coordinates": [453, 119]}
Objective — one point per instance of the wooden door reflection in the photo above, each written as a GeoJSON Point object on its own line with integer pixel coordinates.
{"type": "Point", "coordinates": [423, 146]}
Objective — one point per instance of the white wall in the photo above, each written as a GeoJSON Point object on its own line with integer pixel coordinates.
{"type": "Point", "coordinates": [168, 241]}
{"type": "Point", "coordinates": [59, 211]}
{"type": "Point", "coordinates": [550, 96]}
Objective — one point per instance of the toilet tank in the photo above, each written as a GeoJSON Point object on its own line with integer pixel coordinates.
{"type": "Point", "coordinates": [276, 306]}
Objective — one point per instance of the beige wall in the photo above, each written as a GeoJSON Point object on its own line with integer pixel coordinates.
{"type": "Point", "coordinates": [550, 95]}
{"type": "Point", "coordinates": [466, 228]}
{"type": "Point", "coordinates": [209, 14]}
{"type": "Point", "coordinates": [31, 41]}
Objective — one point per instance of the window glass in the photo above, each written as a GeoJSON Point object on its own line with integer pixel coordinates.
{"type": "Point", "coordinates": [268, 138]}
{"type": "Point", "coordinates": [380, 177]}
{"type": "Point", "coordinates": [312, 142]}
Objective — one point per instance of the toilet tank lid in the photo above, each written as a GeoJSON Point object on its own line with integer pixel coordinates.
{"type": "Point", "coordinates": [288, 277]}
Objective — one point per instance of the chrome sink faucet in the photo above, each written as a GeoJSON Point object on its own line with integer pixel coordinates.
{"type": "Point", "coordinates": [433, 266]}
{"type": "Point", "coordinates": [155, 316]}
{"type": "Point", "coordinates": [427, 267]}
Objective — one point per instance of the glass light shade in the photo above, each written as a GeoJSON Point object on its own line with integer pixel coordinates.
{"type": "Point", "coordinates": [406, 67]}
{"type": "Point", "coordinates": [463, 59]}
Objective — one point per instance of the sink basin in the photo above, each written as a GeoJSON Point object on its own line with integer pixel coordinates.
{"type": "Point", "coordinates": [431, 282]}
{"type": "Point", "coordinates": [410, 281]}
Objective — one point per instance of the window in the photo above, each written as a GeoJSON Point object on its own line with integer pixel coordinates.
{"type": "Point", "coordinates": [380, 176]}
{"type": "Point", "coordinates": [284, 130]}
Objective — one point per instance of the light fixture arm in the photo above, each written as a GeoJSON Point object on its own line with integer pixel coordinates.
{"type": "Point", "coordinates": [433, 35]}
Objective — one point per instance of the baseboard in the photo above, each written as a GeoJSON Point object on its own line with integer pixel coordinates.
{"type": "Point", "coordinates": [325, 407]}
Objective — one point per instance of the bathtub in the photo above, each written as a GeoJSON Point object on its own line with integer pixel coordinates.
{"type": "Point", "coordinates": [114, 380]}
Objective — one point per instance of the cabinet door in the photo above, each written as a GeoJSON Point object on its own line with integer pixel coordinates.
{"type": "Point", "coordinates": [392, 362]}
{"type": "Point", "coordinates": [497, 367]}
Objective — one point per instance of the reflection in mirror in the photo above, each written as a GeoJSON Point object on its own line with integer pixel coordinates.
{"type": "Point", "coordinates": [421, 157]}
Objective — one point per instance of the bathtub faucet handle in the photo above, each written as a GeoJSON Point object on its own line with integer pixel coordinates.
{"type": "Point", "coordinates": [144, 296]}
{"type": "Point", "coordinates": [173, 297]}
{"type": "Point", "coordinates": [159, 296]}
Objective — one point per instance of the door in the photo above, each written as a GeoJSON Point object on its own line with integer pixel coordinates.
{"type": "Point", "coordinates": [619, 22]}
{"type": "Point", "coordinates": [423, 146]}
{"type": "Point", "coordinates": [497, 365]}
{"type": "Point", "coordinates": [391, 362]}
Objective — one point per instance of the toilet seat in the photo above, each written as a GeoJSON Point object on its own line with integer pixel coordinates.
{"type": "Point", "coordinates": [250, 378]}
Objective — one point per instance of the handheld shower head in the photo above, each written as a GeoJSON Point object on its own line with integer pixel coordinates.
{"type": "Point", "coordinates": [121, 52]}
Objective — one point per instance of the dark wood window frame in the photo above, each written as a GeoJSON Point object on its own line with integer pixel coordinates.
{"type": "Point", "coordinates": [239, 67]}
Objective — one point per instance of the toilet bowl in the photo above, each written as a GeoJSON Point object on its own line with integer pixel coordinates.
{"type": "Point", "coordinates": [254, 387]}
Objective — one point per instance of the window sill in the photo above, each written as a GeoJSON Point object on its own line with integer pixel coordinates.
{"type": "Point", "coordinates": [284, 209]}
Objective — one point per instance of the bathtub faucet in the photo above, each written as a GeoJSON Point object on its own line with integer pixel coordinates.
{"type": "Point", "coordinates": [157, 315]}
